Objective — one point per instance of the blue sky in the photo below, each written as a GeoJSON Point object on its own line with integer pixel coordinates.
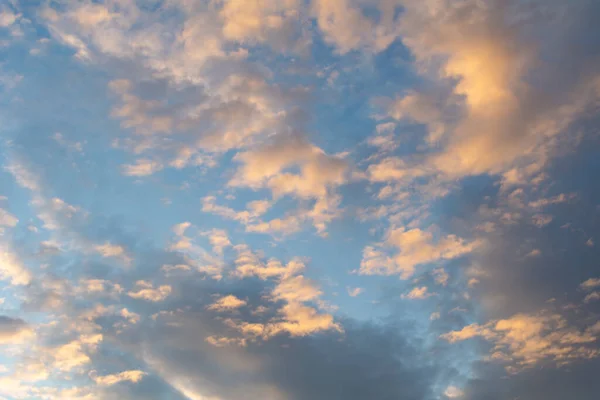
{"type": "Point", "coordinates": [294, 199]}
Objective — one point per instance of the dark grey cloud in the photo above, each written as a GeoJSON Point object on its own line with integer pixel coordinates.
{"type": "Point", "coordinates": [366, 361]}
{"type": "Point", "coordinates": [578, 381]}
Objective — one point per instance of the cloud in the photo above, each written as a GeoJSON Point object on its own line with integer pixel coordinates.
{"type": "Point", "coordinates": [594, 296]}
{"type": "Point", "coordinates": [347, 28]}
{"type": "Point", "coordinates": [142, 167]}
{"type": "Point", "coordinates": [452, 392]}
{"type": "Point", "coordinates": [7, 17]}
{"type": "Point", "coordinates": [260, 368]}
{"type": "Point", "coordinates": [227, 303]}
{"type": "Point", "coordinates": [523, 341]}
{"type": "Point", "coordinates": [486, 49]}
{"type": "Point", "coordinates": [295, 316]}
{"type": "Point", "coordinates": [392, 169]}
{"type": "Point", "coordinates": [144, 290]}
{"type": "Point", "coordinates": [461, 159]}
{"type": "Point", "coordinates": [249, 264]}
{"type": "Point", "coordinates": [276, 23]}
{"type": "Point", "coordinates": [418, 293]}
{"type": "Point", "coordinates": [125, 376]}
{"type": "Point", "coordinates": [219, 240]}
{"type": "Point", "coordinates": [415, 247]}
{"type": "Point", "coordinates": [109, 250]}
{"type": "Point", "coordinates": [353, 292]}
{"type": "Point", "coordinates": [266, 166]}
{"type": "Point", "coordinates": [14, 330]}
{"type": "Point", "coordinates": [590, 283]}
{"type": "Point", "coordinates": [75, 354]}
{"type": "Point", "coordinates": [12, 269]}
{"type": "Point", "coordinates": [7, 219]}
{"type": "Point", "coordinates": [441, 276]}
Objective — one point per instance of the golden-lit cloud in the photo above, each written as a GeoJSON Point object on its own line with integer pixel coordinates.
{"type": "Point", "coordinates": [418, 293]}
{"type": "Point", "coordinates": [226, 303]}
{"type": "Point", "coordinates": [125, 376]}
{"type": "Point", "coordinates": [414, 247]}
{"type": "Point", "coordinates": [524, 340]}
{"type": "Point", "coordinates": [144, 290]}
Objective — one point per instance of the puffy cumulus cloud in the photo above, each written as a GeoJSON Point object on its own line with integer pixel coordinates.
{"type": "Point", "coordinates": [415, 247]}
{"type": "Point", "coordinates": [394, 169]}
{"type": "Point", "coordinates": [268, 166]}
{"type": "Point", "coordinates": [56, 213]}
{"type": "Point", "coordinates": [594, 296]}
{"type": "Point", "coordinates": [180, 228]}
{"type": "Point", "coordinates": [239, 111]}
{"type": "Point", "coordinates": [418, 293]}
{"type": "Point", "coordinates": [99, 286]}
{"type": "Point", "coordinates": [109, 250]}
{"type": "Point", "coordinates": [320, 213]}
{"type": "Point", "coordinates": [142, 167]}
{"type": "Point", "coordinates": [144, 290]}
{"type": "Point", "coordinates": [452, 392]}
{"type": "Point", "coordinates": [291, 166]}
{"type": "Point", "coordinates": [218, 239]}
{"type": "Point", "coordinates": [345, 26]}
{"type": "Point", "coordinates": [248, 263]}
{"type": "Point", "coordinates": [590, 284]}
{"type": "Point", "coordinates": [277, 226]}
{"type": "Point", "coordinates": [125, 376]}
{"type": "Point", "coordinates": [75, 354]}
{"type": "Point", "coordinates": [14, 330]}
{"type": "Point", "coordinates": [276, 22]}
{"type": "Point", "coordinates": [248, 216]}
{"type": "Point", "coordinates": [7, 17]}
{"type": "Point", "coordinates": [490, 50]}
{"type": "Point", "coordinates": [227, 303]}
{"type": "Point", "coordinates": [12, 268]}
{"type": "Point", "coordinates": [296, 317]}
{"type": "Point", "coordinates": [522, 341]}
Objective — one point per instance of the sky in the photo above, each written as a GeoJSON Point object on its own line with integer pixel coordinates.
{"type": "Point", "coordinates": [299, 199]}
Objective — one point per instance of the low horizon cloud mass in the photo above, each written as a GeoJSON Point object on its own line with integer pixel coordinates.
{"type": "Point", "coordinates": [299, 199]}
